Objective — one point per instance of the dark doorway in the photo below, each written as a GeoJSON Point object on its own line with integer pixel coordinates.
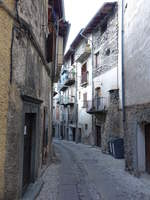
{"type": "Point", "coordinates": [45, 137]}
{"type": "Point", "coordinates": [61, 132]}
{"type": "Point", "coordinates": [98, 136]}
{"type": "Point", "coordinates": [79, 137]}
{"type": "Point", "coordinates": [74, 134]}
{"type": "Point", "coordinates": [29, 132]}
{"type": "Point", "coordinates": [147, 147]}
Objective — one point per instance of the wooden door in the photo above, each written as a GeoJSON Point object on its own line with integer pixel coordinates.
{"type": "Point", "coordinates": [74, 134]}
{"type": "Point", "coordinates": [28, 130]}
{"type": "Point", "coordinates": [147, 147]}
{"type": "Point", "coordinates": [98, 136]}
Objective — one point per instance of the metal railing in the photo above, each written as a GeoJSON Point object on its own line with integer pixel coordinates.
{"type": "Point", "coordinates": [97, 104]}
{"type": "Point", "coordinates": [72, 118]}
{"type": "Point", "coordinates": [84, 52]}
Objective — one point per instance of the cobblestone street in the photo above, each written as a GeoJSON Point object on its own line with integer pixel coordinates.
{"type": "Point", "coordinates": [82, 172]}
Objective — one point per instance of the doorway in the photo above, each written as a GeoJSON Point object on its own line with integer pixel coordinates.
{"type": "Point", "coordinates": [28, 155]}
{"type": "Point", "coordinates": [79, 138]}
{"type": "Point", "coordinates": [98, 136]}
{"type": "Point", "coordinates": [61, 132]}
{"type": "Point", "coordinates": [74, 134]}
{"type": "Point", "coordinates": [147, 147]}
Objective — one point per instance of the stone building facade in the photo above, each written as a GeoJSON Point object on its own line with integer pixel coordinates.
{"type": "Point", "coordinates": [28, 63]}
{"type": "Point", "coordinates": [95, 50]}
{"type": "Point", "coordinates": [137, 97]}
{"type": "Point", "coordinates": [106, 95]}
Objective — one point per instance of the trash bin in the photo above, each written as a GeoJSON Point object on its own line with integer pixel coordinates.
{"type": "Point", "coordinates": [118, 148]}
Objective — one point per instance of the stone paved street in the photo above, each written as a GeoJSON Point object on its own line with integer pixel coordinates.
{"type": "Point", "coordinates": [82, 172]}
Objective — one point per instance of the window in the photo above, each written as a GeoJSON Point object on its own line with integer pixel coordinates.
{"type": "Point", "coordinates": [107, 52]}
{"type": "Point", "coordinates": [97, 61]}
{"type": "Point", "coordinates": [98, 92]}
{"type": "Point", "coordinates": [79, 95]}
{"type": "Point", "coordinates": [49, 48]}
{"type": "Point", "coordinates": [86, 126]}
{"type": "Point", "coordinates": [103, 27]}
{"type": "Point", "coordinates": [84, 74]}
{"type": "Point", "coordinates": [84, 100]}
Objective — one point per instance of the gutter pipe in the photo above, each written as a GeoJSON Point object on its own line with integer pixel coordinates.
{"type": "Point", "coordinates": [122, 62]}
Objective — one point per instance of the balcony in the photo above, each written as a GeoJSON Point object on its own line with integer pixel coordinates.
{"type": "Point", "coordinates": [58, 100]}
{"type": "Point", "coordinates": [72, 118]}
{"type": "Point", "coordinates": [70, 101]}
{"type": "Point", "coordinates": [84, 79]}
{"type": "Point", "coordinates": [71, 78]}
{"type": "Point", "coordinates": [96, 106]}
{"type": "Point", "coordinates": [85, 53]}
{"type": "Point", "coordinates": [62, 86]}
{"type": "Point", "coordinates": [62, 101]}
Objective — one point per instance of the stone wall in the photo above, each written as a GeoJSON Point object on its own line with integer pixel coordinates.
{"type": "Point", "coordinates": [27, 76]}
{"type": "Point", "coordinates": [6, 24]}
{"type": "Point", "coordinates": [107, 44]}
{"type": "Point", "coordinates": [136, 116]}
{"type": "Point", "coordinates": [113, 121]}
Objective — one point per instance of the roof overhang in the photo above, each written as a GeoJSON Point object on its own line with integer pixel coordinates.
{"type": "Point", "coordinates": [64, 29]}
{"type": "Point", "coordinates": [100, 17]}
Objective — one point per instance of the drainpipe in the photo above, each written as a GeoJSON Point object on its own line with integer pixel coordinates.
{"type": "Point", "coordinates": [122, 63]}
{"type": "Point", "coordinates": [76, 103]}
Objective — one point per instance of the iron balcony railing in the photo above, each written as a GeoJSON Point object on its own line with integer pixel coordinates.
{"type": "Point", "coordinates": [67, 79]}
{"type": "Point", "coordinates": [70, 79]}
{"type": "Point", "coordinates": [98, 104]}
{"type": "Point", "coordinates": [72, 118]}
{"type": "Point", "coordinates": [84, 53]}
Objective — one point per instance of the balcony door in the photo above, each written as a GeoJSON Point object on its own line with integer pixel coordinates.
{"type": "Point", "coordinates": [98, 97]}
{"type": "Point", "coordinates": [84, 74]}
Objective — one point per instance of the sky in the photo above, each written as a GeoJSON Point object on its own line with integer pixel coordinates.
{"type": "Point", "coordinates": [79, 13]}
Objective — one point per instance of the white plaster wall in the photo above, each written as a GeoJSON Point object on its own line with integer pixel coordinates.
{"type": "Point", "coordinates": [137, 52]}
{"type": "Point", "coordinates": [83, 116]}
{"type": "Point", "coordinates": [106, 82]}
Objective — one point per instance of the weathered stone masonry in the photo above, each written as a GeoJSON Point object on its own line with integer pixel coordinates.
{"type": "Point", "coordinates": [136, 116]}
{"type": "Point", "coordinates": [106, 43]}
{"type": "Point", "coordinates": [5, 45]}
{"type": "Point", "coordinates": [24, 74]}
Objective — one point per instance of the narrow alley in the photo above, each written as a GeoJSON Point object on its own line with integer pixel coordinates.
{"type": "Point", "coordinates": [74, 100]}
{"type": "Point", "coordinates": [82, 172]}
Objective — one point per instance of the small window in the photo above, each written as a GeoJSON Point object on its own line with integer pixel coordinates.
{"type": "Point", "coordinates": [79, 95]}
{"type": "Point", "coordinates": [84, 75]}
{"type": "Point", "coordinates": [98, 92]}
{"type": "Point", "coordinates": [86, 126]}
{"type": "Point", "coordinates": [97, 61]}
{"type": "Point", "coordinates": [107, 52]}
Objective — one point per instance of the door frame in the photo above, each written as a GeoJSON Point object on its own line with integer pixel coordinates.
{"type": "Point", "coordinates": [31, 105]}
{"type": "Point", "coordinates": [147, 133]}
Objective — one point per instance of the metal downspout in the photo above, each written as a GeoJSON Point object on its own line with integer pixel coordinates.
{"type": "Point", "coordinates": [122, 64]}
